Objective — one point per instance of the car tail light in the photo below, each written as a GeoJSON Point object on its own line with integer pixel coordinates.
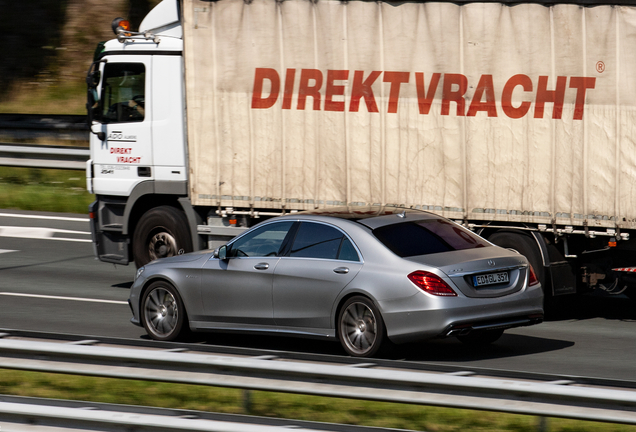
{"type": "Point", "coordinates": [431, 283]}
{"type": "Point", "coordinates": [532, 276]}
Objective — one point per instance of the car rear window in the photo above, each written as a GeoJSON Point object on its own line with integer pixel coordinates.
{"type": "Point", "coordinates": [426, 237]}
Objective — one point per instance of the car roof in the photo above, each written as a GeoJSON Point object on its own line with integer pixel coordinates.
{"type": "Point", "coordinates": [372, 216]}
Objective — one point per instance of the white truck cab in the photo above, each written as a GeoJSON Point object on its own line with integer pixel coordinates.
{"type": "Point", "coordinates": [137, 112]}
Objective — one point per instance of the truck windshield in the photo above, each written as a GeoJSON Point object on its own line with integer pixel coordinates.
{"type": "Point", "coordinates": [123, 93]}
{"type": "Point", "coordinates": [425, 237]}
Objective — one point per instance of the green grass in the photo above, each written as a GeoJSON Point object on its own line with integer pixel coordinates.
{"type": "Point", "coordinates": [222, 400]}
{"type": "Point", "coordinates": [44, 190]}
{"type": "Point", "coordinates": [62, 98]}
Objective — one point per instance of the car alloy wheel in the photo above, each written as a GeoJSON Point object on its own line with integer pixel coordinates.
{"type": "Point", "coordinates": [163, 313]}
{"type": "Point", "coordinates": [360, 327]}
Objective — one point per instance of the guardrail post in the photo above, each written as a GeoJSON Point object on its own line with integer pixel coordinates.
{"type": "Point", "coordinates": [543, 424]}
{"type": "Point", "coordinates": [247, 401]}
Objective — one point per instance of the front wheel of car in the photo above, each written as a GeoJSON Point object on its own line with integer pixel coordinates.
{"type": "Point", "coordinates": [360, 327]}
{"type": "Point", "coordinates": [481, 338]}
{"type": "Point", "coordinates": [162, 312]}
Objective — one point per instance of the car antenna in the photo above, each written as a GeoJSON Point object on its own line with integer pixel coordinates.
{"type": "Point", "coordinates": [403, 214]}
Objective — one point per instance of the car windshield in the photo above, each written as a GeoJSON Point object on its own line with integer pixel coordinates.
{"type": "Point", "coordinates": [426, 237]}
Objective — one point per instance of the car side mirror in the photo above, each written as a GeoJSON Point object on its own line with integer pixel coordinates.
{"type": "Point", "coordinates": [221, 253]}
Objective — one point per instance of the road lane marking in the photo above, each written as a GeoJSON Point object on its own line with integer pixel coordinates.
{"type": "Point", "coordinates": [80, 299]}
{"type": "Point", "coordinates": [59, 218]}
{"type": "Point", "coordinates": [7, 251]}
{"type": "Point", "coordinates": [41, 233]}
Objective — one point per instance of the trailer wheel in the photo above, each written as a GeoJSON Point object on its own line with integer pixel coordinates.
{"type": "Point", "coordinates": [161, 232]}
{"type": "Point", "coordinates": [527, 247]}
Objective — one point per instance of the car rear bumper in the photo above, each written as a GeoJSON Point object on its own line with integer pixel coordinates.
{"type": "Point", "coordinates": [459, 316]}
{"type": "Point", "coordinates": [501, 324]}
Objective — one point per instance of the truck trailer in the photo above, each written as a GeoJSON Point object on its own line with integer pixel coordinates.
{"type": "Point", "coordinates": [513, 119]}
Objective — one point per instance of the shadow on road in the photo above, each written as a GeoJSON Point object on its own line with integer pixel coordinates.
{"type": "Point", "coordinates": [451, 350]}
{"type": "Point", "coordinates": [436, 350]}
{"type": "Point", "coordinates": [594, 306]}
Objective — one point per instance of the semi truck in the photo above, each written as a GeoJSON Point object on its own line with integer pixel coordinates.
{"type": "Point", "coordinates": [514, 119]}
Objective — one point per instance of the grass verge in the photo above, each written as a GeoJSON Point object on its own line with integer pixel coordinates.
{"type": "Point", "coordinates": [64, 98]}
{"type": "Point", "coordinates": [280, 405]}
{"type": "Point", "coordinates": [44, 190]}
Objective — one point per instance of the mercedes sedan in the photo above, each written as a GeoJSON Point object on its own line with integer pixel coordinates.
{"type": "Point", "coordinates": [369, 278]}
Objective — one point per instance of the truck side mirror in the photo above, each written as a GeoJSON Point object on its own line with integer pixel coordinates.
{"type": "Point", "coordinates": [92, 78]}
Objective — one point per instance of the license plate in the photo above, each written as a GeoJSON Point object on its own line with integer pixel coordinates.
{"type": "Point", "coordinates": [490, 279]}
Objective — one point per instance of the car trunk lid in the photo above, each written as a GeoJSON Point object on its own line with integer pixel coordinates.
{"type": "Point", "coordinates": [483, 272]}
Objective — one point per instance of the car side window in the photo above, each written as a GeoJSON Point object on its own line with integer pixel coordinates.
{"type": "Point", "coordinates": [314, 240]}
{"type": "Point", "coordinates": [347, 251]}
{"type": "Point", "coordinates": [262, 242]}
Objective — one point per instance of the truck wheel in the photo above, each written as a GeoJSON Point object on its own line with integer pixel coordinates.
{"type": "Point", "coordinates": [527, 247]}
{"type": "Point", "coordinates": [161, 232]}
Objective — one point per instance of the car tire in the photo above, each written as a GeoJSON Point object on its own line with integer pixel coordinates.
{"type": "Point", "coordinates": [360, 327]}
{"type": "Point", "coordinates": [163, 314]}
{"type": "Point", "coordinates": [161, 232]}
{"type": "Point", "coordinates": [481, 338]}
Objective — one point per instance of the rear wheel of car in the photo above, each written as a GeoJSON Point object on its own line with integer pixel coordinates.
{"type": "Point", "coordinates": [162, 312]}
{"type": "Point", "coordinates": [360, 327]}
{"type": "Point", "coordinates": [161, 232]}
{"type": "Point", "coordinates": [480, 338]}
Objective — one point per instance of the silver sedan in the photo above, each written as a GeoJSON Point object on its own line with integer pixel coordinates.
{"type": "Point", "coordinates": [369, 278]}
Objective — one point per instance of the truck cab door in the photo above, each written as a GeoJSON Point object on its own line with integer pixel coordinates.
{"type": "Point", "coordinates": [123, 114]}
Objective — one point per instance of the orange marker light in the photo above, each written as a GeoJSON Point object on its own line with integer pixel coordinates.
{"type": "Point", "coordinates": [611, 244]}
{"type": "Point", "coordinates": [120, 24]}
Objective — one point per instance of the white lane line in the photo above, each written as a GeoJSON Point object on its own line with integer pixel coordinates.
{"type": "Point", "coordinates": [80, 299]}
{"type": "Point", "coordinates": [59, 218]}
{"type": "Point", "coordinates": [7, 251]}
{"type": "Point", "coordinates": [41, 233]}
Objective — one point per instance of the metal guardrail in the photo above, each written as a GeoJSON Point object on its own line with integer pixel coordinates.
{"type": "Point", "coordinates": [359, 381]}
{"type": "Point", "coordinates": [43, 156]}
{"type": "Point", "coordinates": [23, 413]}
{"type": "Point", "coordinates": [25, 131]}
{"type": "Point", "coordinates": [92, 420]}
{"type": "Point", "coordinates": [51, 127]}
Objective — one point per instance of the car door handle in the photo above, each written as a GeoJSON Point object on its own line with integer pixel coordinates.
{"type": "Point", "coordinates": [341, 270]}
{"type": "Point", "coordinates": [261, 266]}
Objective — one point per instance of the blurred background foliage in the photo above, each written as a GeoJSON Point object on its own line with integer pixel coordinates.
{"type": "Point", "coordinates": [46, 47]}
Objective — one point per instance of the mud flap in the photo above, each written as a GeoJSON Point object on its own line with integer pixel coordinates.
{"type": "Point", "coordinates": [562, 279]}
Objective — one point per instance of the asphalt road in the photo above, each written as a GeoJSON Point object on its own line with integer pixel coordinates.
{"type": "Point", "coordinates": [50, 281]}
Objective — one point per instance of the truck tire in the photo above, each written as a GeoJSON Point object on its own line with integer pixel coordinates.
{"type": "Point", "coordinates": [161, 232]}
{"type": "Point", "coordinates": [527, 247]}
